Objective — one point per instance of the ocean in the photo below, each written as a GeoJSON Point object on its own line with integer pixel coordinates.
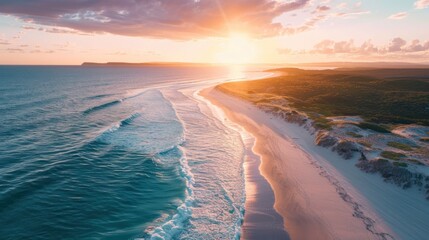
{"type": "Point", "coordinates": [118, 153]}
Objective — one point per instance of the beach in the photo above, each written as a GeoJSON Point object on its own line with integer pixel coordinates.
{"type": "Point", "coordinates": [313, 198]}
{"type": "Point", "coordinates": [170, 157]}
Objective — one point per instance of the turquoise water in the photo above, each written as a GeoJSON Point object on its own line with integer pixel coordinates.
{"type": "Point", "coordinates": [116, 153]}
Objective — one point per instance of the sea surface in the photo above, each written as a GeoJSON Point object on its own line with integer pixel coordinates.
{"type": "Point", "coordinates": [118, 153]}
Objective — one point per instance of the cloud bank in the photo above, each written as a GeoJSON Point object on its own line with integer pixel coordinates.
{"type": "Point", "coordinates": [396, 45]}
{"type": "Point", "coordinates": [179, 19]}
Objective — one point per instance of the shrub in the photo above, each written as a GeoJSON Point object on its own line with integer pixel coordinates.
{"type": "Point", "coordinates": [372, 126]}
{"type": "Point", "coordinates": [415, 161]}
{"type": "Point", "coordinates": [366, 144]}
{"type": "Point", "coordinates": [353, 134]}
{"type": "Point", "coordinates": [399, 145]}
{"type": "Point", "coordinates": [392, 155]}
{"type": "Point", "coordinates": [400, 164]}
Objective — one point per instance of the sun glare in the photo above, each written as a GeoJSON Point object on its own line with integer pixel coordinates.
{"type": "Point", "coordinates": [237, 49]}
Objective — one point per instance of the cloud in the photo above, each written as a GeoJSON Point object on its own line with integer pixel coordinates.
{"type": "Point", "coordinates": [398, 16]}
{"type": "Point", "coordinates": [420, 4]}
{"type": "Point", "coordinates": [330, 47]}
{"type": "Point", "coordinates": [417, 47]}
{"type": "Point", "coordinates": [14, 50]}
{"type": "Point", "coordinates": [179, 19]}
{"type": "Point", "coordinates": [53, 30]}
{"type": "Point", "coordinates": [57, 30]}
{"type": "Point", "coordinates": [25, 27]}
{"type": "Point", "coordinates": [351, 14]}
{"type": "Point", "coordinates": [396, 45]}
{"type": "Point", "coordinates": [320, 9]}
{"type": "Point", "coordinates": [309, 24]}
{"type": "Point", "coordinates": [4, 42]}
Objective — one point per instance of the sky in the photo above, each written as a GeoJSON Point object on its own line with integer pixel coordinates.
{"type": "Point", "coordinates": [63, 32]}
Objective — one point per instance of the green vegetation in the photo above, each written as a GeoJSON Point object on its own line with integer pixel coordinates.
{"type": "Point", "coordinates": [380, 96]}
{"type": "Point", "coordinates": [392, 155]}
{"type": "Point", "coordinates": [372, 126]}
{"type": "Point", "coordinates": [400, 164]}
{"type": "Point", "coordinates": [322, 123]}
{"type": "Point", "coordinates": [415, 161]}
{"type": "Point", "coordinates": [383, 160]}
{"type": "Point", "coordinates": [400, 146]}
{"type": "Point", "coordinates": [353, 134]}
{"type": "Point", "coordinates": [366, 144]}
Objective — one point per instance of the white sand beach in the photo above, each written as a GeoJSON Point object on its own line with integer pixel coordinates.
{"type": "Point", "coordinates": [318, 194]}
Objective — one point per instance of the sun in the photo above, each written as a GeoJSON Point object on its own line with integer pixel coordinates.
{"type": "Point", "coordinates": [237, 49]}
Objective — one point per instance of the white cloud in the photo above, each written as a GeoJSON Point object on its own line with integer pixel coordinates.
{"type": "Point", "coordinates": [396, 45]}
{"type": "Point", "coordinates": [352, 14]}
{"type": "Point", "coordinates": [420, 4]}
{"type": "Point", "coordinates": [398, 16]}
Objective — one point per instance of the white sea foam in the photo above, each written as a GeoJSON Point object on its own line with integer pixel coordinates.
{"type": "Point", "coordinates": [175, 224]}
{"type": "Point", "coordinates": [217, 113]}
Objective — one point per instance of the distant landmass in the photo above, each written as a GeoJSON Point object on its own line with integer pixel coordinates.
{"type": "Point", "coordinates": [120, 64]}
{"type": "Point", "coordinates": [316, 64]}
{"type": "Point", "coordinates": [364, 64]}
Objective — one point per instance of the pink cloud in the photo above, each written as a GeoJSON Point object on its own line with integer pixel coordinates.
{"type": "Point", "coordinates": [309, 24]}
{"type": "Point", "coordinates": [420, 4]}
{"type": "Point", "coordinates": [180, 19]}
{"type": "Point", "coordinates": [323, 8]}
{"type": "Point", "coordinates": [398, 16]}
{"type": "Point", "coordinates": [415, 46]}
{"type": "Point", "coordinates": [396, 45]}
{"type": "Point", "coordinates": [4, 42]}
{"type": "Point", "coordinates": [351, 14]}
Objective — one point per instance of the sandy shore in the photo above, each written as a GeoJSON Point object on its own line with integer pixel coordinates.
{"type": "Point", "coordinates": [314, 202]}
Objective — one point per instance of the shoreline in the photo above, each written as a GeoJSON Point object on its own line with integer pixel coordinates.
{"type": "Point", "coordinates": [309, 203]}
{"type": "Point", "coordinates": [261, 220]}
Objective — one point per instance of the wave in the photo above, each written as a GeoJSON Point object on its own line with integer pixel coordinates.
{"type": "Point", "coordinates": [100, 96]}
{"type": "Point", "coordinates": [222, 123]}
{"type": "Point", "coordinates": [156, 131]}
{"type": "Point", "coordinates": [111, 103]}
{"type": "Point", "coordinates": [175, 224]}
{"type": "Point", "coordinates": [102, 106]}
{"type": "Point", "coordinates": [121, 123]}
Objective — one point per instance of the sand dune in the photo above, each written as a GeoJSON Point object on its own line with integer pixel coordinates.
{"type": "Point", "coordinates": [315, 200]}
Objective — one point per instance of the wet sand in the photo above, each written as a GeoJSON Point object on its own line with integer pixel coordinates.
{"type": "Point", "coordinates": [308, 203]}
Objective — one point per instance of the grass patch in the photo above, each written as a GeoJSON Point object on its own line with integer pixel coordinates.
{"type": "Point", "coordinates": [322, 123]}
{"type": "Point", "coordinates": [372, 126]}
{"type": "Point", "coordinates": [366, 144]}
{"type": "Point", "coordinates": [383, 160]}
{"type": "Point", "coordinates": [401, 146]}
{"type": "Point", "coordinates": [415, 161]}
{"type": "Point", "coordinates": [392, 155]}
{"type": "Point", "coordinates": [353, 134]}
{"type": "Point", "coordinates": [377, 95]}
{"type": "Point", "coordinates": [400, 164]}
